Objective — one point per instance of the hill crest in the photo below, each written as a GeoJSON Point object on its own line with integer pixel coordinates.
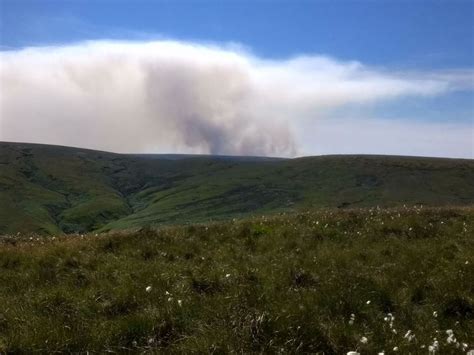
{"type": "Point", "coordinates": [56, 189]}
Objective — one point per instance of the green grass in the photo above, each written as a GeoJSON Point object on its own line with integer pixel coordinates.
{"type": "Point", "coordinates": [53, 190]}
{"type": "Point", "coordinates": [286, 283]}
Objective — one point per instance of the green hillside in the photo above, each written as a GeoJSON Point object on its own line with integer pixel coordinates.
{"type": "Point", "coordinates": [51, 189]}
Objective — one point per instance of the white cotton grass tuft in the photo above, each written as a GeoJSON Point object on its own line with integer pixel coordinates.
{"type": "Point", "coordinates": [433, 348]}
{"type": "Point", "coordinates": [364, 340]}
{"type": "Point", "coordinates": [148, 289]}
{"type": "Point", "coordinates": [451, 338]}
{"type": "Point", "coordinates": [409, 335]}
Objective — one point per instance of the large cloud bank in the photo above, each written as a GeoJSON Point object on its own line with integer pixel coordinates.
{"type": "Point", "coordinates": [168, 96]}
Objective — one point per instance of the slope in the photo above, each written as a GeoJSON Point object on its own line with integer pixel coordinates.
{"type": "Point", "coordinates": [51, 189]}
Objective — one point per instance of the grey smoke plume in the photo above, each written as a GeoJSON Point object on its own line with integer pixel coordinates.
{"type": "Point", "coordinates": [169, 96]}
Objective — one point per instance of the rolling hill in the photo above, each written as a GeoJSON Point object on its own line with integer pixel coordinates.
{"type": "Point", "coordinates": [51, 189]}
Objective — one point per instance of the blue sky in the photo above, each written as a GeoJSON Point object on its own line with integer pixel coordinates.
{"type": "Point", "coordinates": [423, 37]}
{"type": "Point", "coordinates": [396, 33]}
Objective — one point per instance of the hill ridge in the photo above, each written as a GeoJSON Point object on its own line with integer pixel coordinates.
{"type": "Point", "coordinates": [56, 189]}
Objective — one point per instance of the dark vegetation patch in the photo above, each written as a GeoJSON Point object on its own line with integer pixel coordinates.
{"type": "Point", "coordinates": [459, 308]}
{"type": "Point", "coordinates": [203, 286]}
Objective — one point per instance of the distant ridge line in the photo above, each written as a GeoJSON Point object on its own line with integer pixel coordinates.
{"type": "Point", "coordinates": [179, 156]}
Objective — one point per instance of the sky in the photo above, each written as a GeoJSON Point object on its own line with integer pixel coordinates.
{"type": "Point", "coordinates": [284, 78]}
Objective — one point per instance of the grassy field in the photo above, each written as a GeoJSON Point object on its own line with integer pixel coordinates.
{"type": "Point", "coordinates": [53, 190]}
{"type": "Point", "coordinates": [318, 281]}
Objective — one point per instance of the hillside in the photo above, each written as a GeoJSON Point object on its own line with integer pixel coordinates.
{"type": "Point", "coordinates": [315, 282]}
{"type": "Point", "coordinates": [51, 189]}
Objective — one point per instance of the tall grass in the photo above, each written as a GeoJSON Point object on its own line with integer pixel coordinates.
{"type": "Point", "coordinates": [323, 282]}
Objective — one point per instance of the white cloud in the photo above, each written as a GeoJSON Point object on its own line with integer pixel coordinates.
{"type": "Point", "coordinates": [169, 96]}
